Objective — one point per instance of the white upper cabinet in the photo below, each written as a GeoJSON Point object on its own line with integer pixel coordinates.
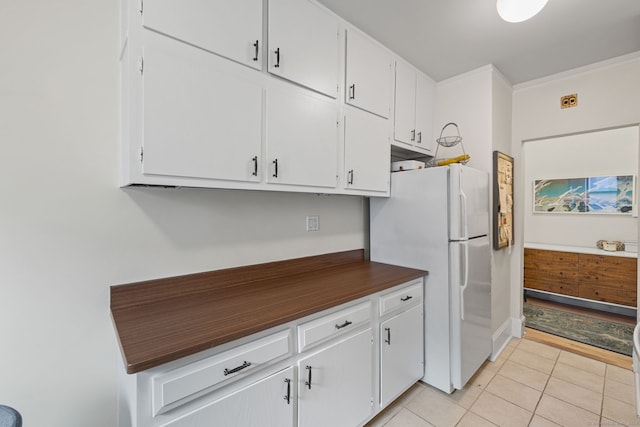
{"type": "Point", "coordinates": [232, 29]}
{"type": "Point", "coordinates": [202, 115]}
{"type": "Point", "coordinates": [303, 45]}
{"type": "Point", "coordinates": [367, 151]}
{"type": "Point", "coordinates": [413, 119]}
{"type": "Point", "coordinates": [302, 138]}
{"type": "Point", "coordinates": [425, 91]}
{"type": "Point", "coordinates": [368, 74]}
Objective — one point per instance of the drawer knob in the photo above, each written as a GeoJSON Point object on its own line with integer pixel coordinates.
{"type": "Point", "coordinates": [344, 325]}
{"type": "Point", "coordinates": [245, 364]}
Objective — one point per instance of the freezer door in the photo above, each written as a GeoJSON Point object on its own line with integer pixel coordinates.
{"type": "Point", "coordinates": [468, 202]}
{"type": "Point", "coordinates": [470, 289]}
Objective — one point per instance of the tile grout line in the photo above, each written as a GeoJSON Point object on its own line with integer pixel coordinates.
{"type": "Point", "coordinates": [555, 363]}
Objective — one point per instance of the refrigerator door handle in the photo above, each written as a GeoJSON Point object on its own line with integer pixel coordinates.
{"type": "Point", "coordinates": [463, 216]}
{"type": "Point", "coordinates": [465, 275]}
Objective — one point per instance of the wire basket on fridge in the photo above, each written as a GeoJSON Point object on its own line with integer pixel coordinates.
{"type": "Point", "coordinates": [449, 141]}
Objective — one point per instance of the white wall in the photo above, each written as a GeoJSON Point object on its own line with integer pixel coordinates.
{"type": "Point", "coordinates": [67, 232]}
{"type": "Point", "coordinates": [608, 96]}
{"type": "Point", "coordinates": [466, 101]}
{"type": "Point", "coordinates": [603, 153]}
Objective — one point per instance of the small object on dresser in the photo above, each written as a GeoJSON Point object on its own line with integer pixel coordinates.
{"type": "Point", "coordinates": [406, 165]}
{"type": "Point", "coordinates": [631, 246]}
{"type": "Point", "coordinates": [610, 245]}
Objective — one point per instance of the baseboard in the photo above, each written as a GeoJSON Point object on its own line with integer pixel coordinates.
{"type": "Point", "coordinates": [517, 327]}
{"type": "Point", "coordinates": [501, 338]}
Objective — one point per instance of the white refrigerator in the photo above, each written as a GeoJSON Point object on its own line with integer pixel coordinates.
{"type": "Point", "coordinates": [437, 219]}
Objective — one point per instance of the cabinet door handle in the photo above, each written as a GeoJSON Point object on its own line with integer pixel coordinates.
{"type": "Point", "coordinates": [275, 173]}
{"type": "Point", "coordinates": [388, 340]}
{"type": "Point", "coordinates": [344, 325]}
{"type": "Point", "coordinates": [256, 44]}
{"type": "Point", "coordinates": [352, 91]}
{"type": "Point", "coordinates": [413, 134]}
{"type": "Point", "coordinates": [277, 65]}
{"type": "Point", "coordinates": [308, 382]}
{"type": "Point", "coordinates": [419, 137]}
{"type": "Point", "coordinates": [407, 298]}
{"type": "Point", "coordinates": [245, 364]}
{"type": "Point", "coordinates": [287, 397]}
{"type": "Point", "coordinates": [255, 166]}
{"type": "Point", "coordinates": [350, 177]}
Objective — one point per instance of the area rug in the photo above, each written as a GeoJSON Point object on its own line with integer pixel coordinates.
{"type": "Point", "coordinates": [600, 333]}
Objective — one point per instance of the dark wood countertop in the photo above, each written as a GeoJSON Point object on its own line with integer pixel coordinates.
{"type": "Point", "coordinates": [162, 320]}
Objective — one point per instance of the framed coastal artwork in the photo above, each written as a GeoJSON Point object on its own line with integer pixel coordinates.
{"type": "Point", "coordinates": [502, 200]}
{"type": "Point", "coordinates": [593, 195]}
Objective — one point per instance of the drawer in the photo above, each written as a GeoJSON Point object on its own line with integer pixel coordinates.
{"type": "Point", "coordinates": [333, 324]}
{"type": "Point", "coordinates": [183, 382]}
{"type": "Point", "coordinates": [405, 297]}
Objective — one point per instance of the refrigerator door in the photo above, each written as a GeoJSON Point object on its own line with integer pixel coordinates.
{"type": "Point", "coordinates": [468, 202]}
{"type": "Point", "coordinates": [470, 287]}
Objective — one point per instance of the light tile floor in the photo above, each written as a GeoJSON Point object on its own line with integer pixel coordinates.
{"type": "Point", "coordinates": [530, 384]}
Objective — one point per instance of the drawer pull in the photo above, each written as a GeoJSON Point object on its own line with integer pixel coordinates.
{"type": "Point", "coordinates": [344, 325]}
{"type": "Point", "coordinates": [388, 340]}
{"type": "Point", "coordinates": [237, 368]}
{"type": "Point", "coordinates": [407, 298]}
{"type": "Point", "coordinates": [287, 397]}
{"type": "Point", "coordinates": [308, 382]}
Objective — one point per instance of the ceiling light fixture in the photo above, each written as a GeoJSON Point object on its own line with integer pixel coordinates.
{"type": "Point", "coordinates": [519, 10]}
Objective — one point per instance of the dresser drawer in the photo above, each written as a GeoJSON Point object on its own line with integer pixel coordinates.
{"type": "Point", "coordinates": [333, 324]}
{"type": "Point", "coordinates": [180, 383]}
{"type": "Point", "coordinates": [408, 296]}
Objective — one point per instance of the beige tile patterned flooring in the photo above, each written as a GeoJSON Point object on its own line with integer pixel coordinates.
{"type": "Point", "coordinates": [530, 384]}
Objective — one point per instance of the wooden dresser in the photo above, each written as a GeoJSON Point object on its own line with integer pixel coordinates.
{"type": "Point", "coordinates": [598, 277]}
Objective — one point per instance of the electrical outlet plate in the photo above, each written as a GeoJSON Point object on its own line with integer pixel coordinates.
{"type": "Point", "coordinates": [569, 101]}
{"type": "Point", "coordinates": [313, 223]}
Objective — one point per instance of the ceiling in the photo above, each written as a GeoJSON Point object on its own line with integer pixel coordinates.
{"type": "Point", "coordinates": [445, 38]}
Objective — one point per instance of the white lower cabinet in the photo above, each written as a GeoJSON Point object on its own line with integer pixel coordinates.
{"type": "Point", "coordinates": [341, 372]}
{"type": "Point", "coordinates": [401, 353]}
{"type": "Point", "coordinates": [335, 383]}
{"type": "Point", "coordinates": [267, 402]}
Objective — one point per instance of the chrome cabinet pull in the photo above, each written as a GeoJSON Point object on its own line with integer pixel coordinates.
{"type": "Point", "coordinates": [287, 397]}
{"type": "Point", "coordinates": [277, 51]}
{"type": "Point", "coordinates": [308, 382]}
{"type": "Point", "coordinates": [413, 134]}
{"type": "Point", "coordinates": [419, 137]}
{"type": "Point", "coordinates": [407, 298]}
{"type": "Point", "coordinates": [352, 91]}
{"type": "Point", "coordinates": [275, 174]}
{"type": "Point", "coordinates": [344, 325]}
{"type": "Point", "coordinates": [237, 368]}
{"type": "Point", "coordinates": [255, 166]}
{"type": "Point", "coordinates": [388, 340]}
{"type": "Point", "coordinates": [350, 177]}
{"type": "Point", "coordinates": [255, 58]}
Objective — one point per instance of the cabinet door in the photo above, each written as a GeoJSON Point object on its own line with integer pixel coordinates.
{"type": "Point", "coordinates": [424, 113]}
{"type": "Point", "coordinates": [231, 28]}
{"type": "Point", "coordinates": [367, 151]}
{"type": "Point", "coordinates": [405, 104]}
{"type": "Point", "coordinates": [202, 114]}
{"type": "Point", "coordinates": [401, 353]}
{"type": "Point", "coordinates": [302, 138]}
{"type": "Point", "coordinates": [303, 44]}
{"type": "Point", "coordinates": [335, 384]}
{"type": "Point", "coordinates": [263, 403]}
{"type": "Point", "coordinates": [368, 76]}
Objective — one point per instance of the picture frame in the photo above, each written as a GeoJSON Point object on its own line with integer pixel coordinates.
{"type": "Point", "coordinates": [607, 194]}
{"type": "Point", "coordinates": [502, 200]}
